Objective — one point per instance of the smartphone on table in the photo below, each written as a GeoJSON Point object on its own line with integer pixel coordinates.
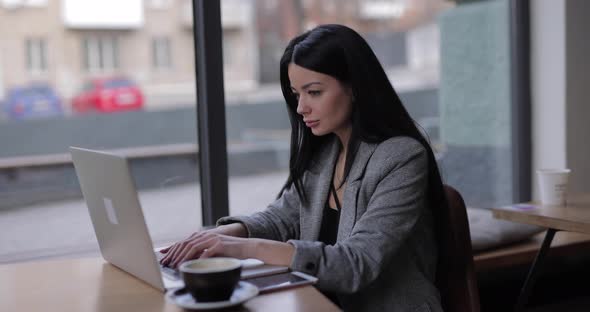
{"type": "Point", "coordinates": [270, 283]}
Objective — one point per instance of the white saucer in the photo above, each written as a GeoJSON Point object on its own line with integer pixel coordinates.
{"type": "Point", "coordinates": [243, 292]}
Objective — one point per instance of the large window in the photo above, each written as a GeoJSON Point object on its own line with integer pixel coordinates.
{"type": "Point", "coordinates": [98, 90]}
{"type": "Point", "coordinates": [449, 64]}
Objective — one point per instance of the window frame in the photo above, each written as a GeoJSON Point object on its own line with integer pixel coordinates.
{"type": "Point", "coordinates": [36, 55]}
{"type": "Point", "coordinates": [100, 54]}
{"type": "Point", "coordinates": [161, 53]}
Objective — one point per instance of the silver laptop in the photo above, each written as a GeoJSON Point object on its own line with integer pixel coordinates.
{"type": "Point", "coordinates": [119, 224]}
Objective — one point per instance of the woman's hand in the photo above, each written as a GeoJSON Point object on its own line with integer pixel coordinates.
{"type": "Point", "coordinates": [213, 242]}
{"type": "Point", "coordinates": [207, 244]}
{"type": "Point", "coordinates": [174, 251]}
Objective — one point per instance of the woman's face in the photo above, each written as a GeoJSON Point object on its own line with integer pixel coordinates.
{"type": "Point", "coordinates": [322, 100]}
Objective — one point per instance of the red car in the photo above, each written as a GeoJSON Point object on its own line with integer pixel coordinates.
{"type": "Point", "coordinates": [107, 96]}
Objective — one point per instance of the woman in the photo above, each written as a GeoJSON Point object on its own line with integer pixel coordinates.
{"type": "Point", "coordinates": [357, 210]}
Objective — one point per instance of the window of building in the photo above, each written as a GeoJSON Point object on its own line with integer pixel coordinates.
{"type": "Point", "coordinates": [101, 53]}
{"type": "Point", "coordinates": [161, 53]}
{"type": "Point", "coordinates": [36, 55]}
{"type": "Point", "coordinates": [229, 46]}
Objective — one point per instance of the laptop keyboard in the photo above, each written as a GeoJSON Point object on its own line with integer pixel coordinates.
{"type": "Point", "coordinates": [169, 272]}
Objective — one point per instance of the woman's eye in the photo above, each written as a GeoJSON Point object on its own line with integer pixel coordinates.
{"type": "Point", "coordinates": [314, 92]}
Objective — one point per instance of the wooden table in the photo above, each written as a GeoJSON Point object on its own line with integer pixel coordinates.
{"type": "Point", "coordinates": [91, 284]}
{"type": "Point", "coordinates": [572, 217]}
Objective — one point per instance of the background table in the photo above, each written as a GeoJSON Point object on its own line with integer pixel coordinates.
{"type": "Point", "coordinates": [572, 217]}
{"type": "Point", "coordinates": [91, 284]}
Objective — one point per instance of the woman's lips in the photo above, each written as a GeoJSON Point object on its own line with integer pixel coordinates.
{"type": "Point", "coordinates": [312, 124]}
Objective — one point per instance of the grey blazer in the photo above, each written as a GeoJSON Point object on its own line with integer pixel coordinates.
{"type": "Point", "coordinates": [385, 255]}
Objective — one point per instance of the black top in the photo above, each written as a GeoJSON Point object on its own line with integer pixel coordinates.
{"type": "Point", "coordinates": [330, 219]}
{"type": "Point", "coordinates": [329, 229]}
{"type": "Point", "coordinates": [329, 232]}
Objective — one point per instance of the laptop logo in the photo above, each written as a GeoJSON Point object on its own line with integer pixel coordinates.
{"type": "Point", "coordinates": [108, 205]}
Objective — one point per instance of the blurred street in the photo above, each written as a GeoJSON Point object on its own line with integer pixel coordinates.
{"type": "Point", "coordinates": [63, 229]}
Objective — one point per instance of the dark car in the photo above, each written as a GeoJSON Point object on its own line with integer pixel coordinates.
{"type": "Point", "coordinates": [107, 96]}
{"type": "Point", "coordinates": [33, 101]}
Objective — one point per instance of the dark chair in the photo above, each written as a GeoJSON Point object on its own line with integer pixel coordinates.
{"type": "Point", "coordinates": [456, 279]}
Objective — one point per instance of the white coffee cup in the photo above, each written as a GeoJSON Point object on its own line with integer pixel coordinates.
{"type": "Point", "coordinates": [553, 185]}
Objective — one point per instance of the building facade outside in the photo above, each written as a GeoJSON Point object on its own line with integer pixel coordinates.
{"type": "Point", "coordinates": [66, 43]}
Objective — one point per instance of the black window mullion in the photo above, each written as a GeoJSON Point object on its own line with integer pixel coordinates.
{"type": "Point", "coordinates": [521, 100]}
{"type": "Point", "coordinates": [210, 110]}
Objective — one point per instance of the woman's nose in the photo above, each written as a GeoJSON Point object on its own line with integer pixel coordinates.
{"type": "Point", "coordinates": [302, 109]}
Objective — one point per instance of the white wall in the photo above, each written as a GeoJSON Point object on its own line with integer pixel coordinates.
{"type": "Point", "coordinates": [559, 74]}
{"type": "Point", "coordinates": [547, 85]}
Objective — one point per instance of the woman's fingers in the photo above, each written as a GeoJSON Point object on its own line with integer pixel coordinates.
{"type": "Point", "coordinates": [181, 248]}
{"type": "Point", "coordinates": [217, 248]}
{"type": "Point", "coordinates": [165, 250]}
{"type": "Point", "coordinates": [166, 259]}
{"type": "Point", "coordinates": [192, 248]}
{"type": "Point", "coordinates": [171, 250]}
{"type": "Point", "coordinates": [193, 253]}
{"type": "Point", "coordinates": [192, 237]}
{"type": "Point", "coordinates": [167, 254]}
{"type": "Point", "coordinates": [172, 254]}
{"type": "Point", "coordinates": [204, 245]}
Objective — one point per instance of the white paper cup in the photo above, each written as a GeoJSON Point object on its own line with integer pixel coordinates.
{"type": "Point", "coordinates": [553, 185]}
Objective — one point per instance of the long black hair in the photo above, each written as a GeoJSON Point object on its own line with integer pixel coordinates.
{"type": "Point", "coordinates": [377, 112]}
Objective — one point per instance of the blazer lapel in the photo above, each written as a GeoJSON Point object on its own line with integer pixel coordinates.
{"type": "Point", "coordinates": [349, 198]}
{"type": "Point", "coordinates": [318, 186]}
